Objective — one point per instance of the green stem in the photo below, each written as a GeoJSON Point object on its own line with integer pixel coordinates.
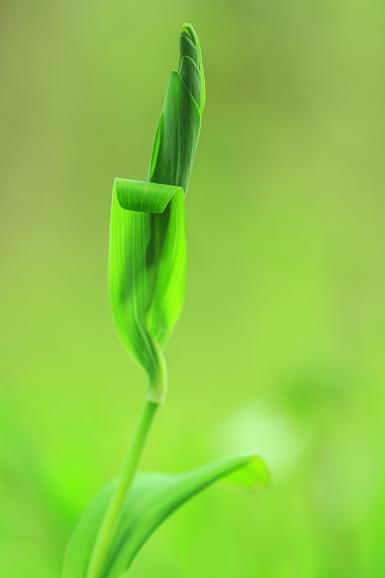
{"type": "Point", "coordinates": [111, 519]}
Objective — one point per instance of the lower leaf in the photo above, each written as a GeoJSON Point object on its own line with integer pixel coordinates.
{"type": "Point", "coordinates": [152, 499]}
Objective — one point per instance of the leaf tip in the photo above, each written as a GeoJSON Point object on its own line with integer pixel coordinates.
{"type": "Point", "coordinates": [253, 475]}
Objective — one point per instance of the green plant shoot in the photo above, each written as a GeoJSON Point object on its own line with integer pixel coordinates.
{"type": "Point", "coordinates": [147, 240]}
{"type": "Point", "coordinates": [147, 269]}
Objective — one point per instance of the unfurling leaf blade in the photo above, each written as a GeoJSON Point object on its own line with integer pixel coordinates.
{"type": "Point", "coordinates": [147, 239]}
{"type": "Point", "coordinates": [145, 272]}
{"type": "Point", "coordinates": [152, 499]}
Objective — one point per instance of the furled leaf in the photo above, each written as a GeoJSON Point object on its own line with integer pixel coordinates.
{"type": "Point", "coordinates": [147, 234]}
{"type": "Point", "coordinates": [146, 279]}
{"type": "Point", "coordinates": [152, 499]}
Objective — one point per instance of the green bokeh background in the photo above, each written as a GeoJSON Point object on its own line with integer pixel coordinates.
{"type": "Point", "coordinates": [280, 348]}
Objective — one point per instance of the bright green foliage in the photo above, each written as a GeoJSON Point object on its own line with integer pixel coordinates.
{"type": "Point", "coordinates": [152, 499]}
{"type": "Point", "coordinates": [147, 236]}
{"type": "Point", "coordinates": [147, 276]}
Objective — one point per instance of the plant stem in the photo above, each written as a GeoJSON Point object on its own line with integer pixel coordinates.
{"type": "Point", "coordinates": [112, 516]}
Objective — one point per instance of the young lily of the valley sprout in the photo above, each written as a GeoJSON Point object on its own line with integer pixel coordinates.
{"type": "Point", "coordinates": [147, 273]}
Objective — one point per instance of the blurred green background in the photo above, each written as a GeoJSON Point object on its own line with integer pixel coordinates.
{"type": "Point", "coordinates": [280, 348]}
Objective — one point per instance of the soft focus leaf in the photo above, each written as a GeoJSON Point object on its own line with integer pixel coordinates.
{"type": "Point", "coordinates": [152, 499]}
